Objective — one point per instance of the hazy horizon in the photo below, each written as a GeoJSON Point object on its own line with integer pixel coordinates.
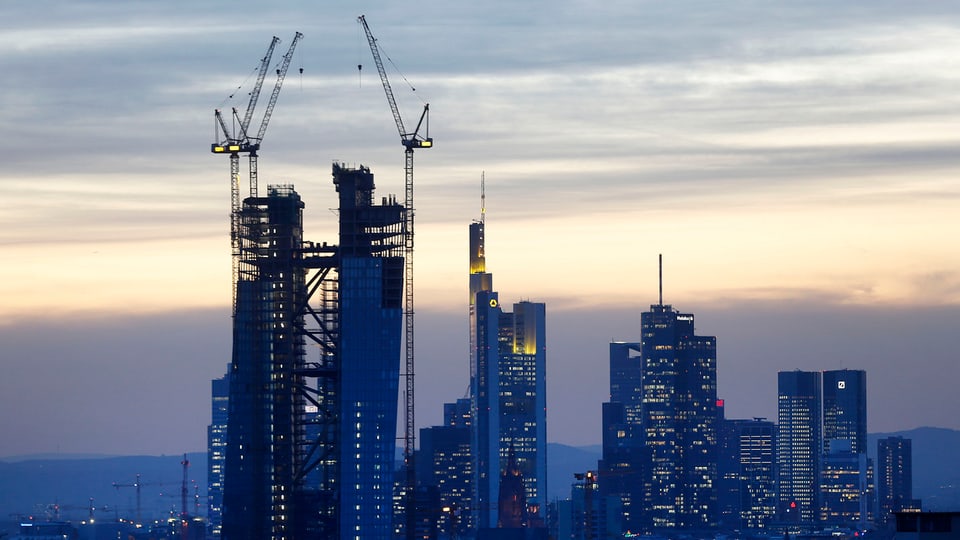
{"type": "Point", "coordinates": [794, 163]}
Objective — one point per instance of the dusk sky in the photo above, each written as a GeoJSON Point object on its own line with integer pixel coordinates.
{"type": "Point", "coordinates": [795, 163]}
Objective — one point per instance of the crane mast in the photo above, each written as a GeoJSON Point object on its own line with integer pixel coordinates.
{"type": "Point", "coordinates": [255, 142]}
{"type": "Point", "coordinates": [410, 141]}
{"type": "Point", "coordinates": [237, 140]}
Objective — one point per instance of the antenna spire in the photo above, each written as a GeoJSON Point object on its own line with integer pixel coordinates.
{"type": "Point", "coordinates": [660, 259]}
{"type": "Point", "coordinates": [483, 197]}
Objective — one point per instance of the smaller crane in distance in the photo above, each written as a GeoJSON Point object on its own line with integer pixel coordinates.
{"type": "Point", "coordinates": [410, 141]}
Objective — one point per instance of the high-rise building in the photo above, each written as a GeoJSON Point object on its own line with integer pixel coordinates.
{"type": "Point", "coordinates": [507, 390]}
{"type": "Point", "coordinates": [523, 391]}
{"type": "Point", "coordinates": [846, 495]}
{"type": "Point", "coordinates": [747, 465]}
{"type": "Point", "coordinates": [798, 445]}
{"type": "Point", "coordinates": [262, 454]}
{"type": "Point", "coordinates": [485, 385]}
{"type": "Point", "coordinates": [445, 461]}
{"type": "Point", "coordinates": [216, 452]}
{"type": "Point", "coordinates": [311, 441]}
{"type": "Point", "coordinates": [845, 489]}
{"type": "Point", "coordinates": [626, 381]}
{"type": "Point", "coordinates": [894, 477]}
{"type": "Point", "coordinates": [370, 304]}
{"type": "Point", "coordinates": [845, 409]}
{"type": "Point", "coordinates": [679, 420]}
{"type": "Point", "coordinates": [620, 471]}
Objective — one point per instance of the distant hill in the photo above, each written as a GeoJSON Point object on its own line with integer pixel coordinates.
{"type": "Point", "coordinates": [34, 486]}
{"type": "Point", "coordinates": [29, 484]}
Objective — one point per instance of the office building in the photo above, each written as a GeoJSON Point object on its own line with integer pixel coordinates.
{"type": "Point", "coordinates": [679, 420]}
{"type": "Point", "coordinates": [262, 456]}
{"type": "Point", "coordinates": [845, 490]}
{"type": "Point", "coordinates": [624, 459]}
{"type": "Point", "coordinates": [846, 482]}
{"type": "Point", "coordinates": [894, 477]}
{"type": "Point", "coordinates": [507, 390]}
{"type": "Point", "coordinates": [798, 445]}
{"type": "Point", "coordinates": [216, 452]}
{"type": "Point", "coordinates": [845, 409]}
{"type": "Point", "coordinates": [445, 462]}
{"type": "Point", "coordinates": [370, 309]}
{"type": "Point", "coordinates": [747, 498]}
{"type": "Point", "coordinates": [311, 440]}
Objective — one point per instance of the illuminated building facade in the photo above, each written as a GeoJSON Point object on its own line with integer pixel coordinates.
{"type": "Point", "coordinates": [798, 445]}
{"type": "Point", "coordinates": [262, 454]}
{"type": "Point", "coordinates": [679, 420]}
{"type": "Point", "coordinates": [523, 391]}
{"type": "Point", "coordinates": [216, 452]}
{"type": "Point", "coordinates": [445, 461]}
{"type": "Point", "coordinates": [507, 390]}
{"type": "Point", "coordinates": [311, 442]}
{"type": "Point", "coordinates": [747, 488]}
{"type": "Point", "coordinates": [370, 303]}
{"type": "Point", "coordinates": [845, 410]}
{"type": "Point", "coordinates": [845, 490]}
{"type": "Point", "coordinates": [846, 483]}
{"type": "Point", "coordinates": [894, 477]}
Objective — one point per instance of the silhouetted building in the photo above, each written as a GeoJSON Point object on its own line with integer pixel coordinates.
{"type": "Point", "coordinates": [507, 388]}
{"type": "Point", "coordinates": [927, 526]}
{"type": "Point", "coordinates": [894, 477]}
{"type": "Point", "coordinates": [799, 443]}
{"type": "Point", "coordinates": [512, 501]}
{"type": "Point", "coordinates": [216, 451]}
{"type": "Point", "coordinates": [626, 379]}
{"type": "Point", "coordinates": [679, 420]}
{"type": "Point", "coordinates": [625, 457]}
{"type": "Point", "coordinates": [746, 469]}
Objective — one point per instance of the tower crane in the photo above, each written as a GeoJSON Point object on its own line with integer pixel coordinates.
{"type": "Point", "coordinates": [410, 141]}
{"type": "Point", "coordinates": [238, 140]}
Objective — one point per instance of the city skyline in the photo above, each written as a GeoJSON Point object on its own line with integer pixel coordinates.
{"type": "Point", "coordinates": [793, 164]}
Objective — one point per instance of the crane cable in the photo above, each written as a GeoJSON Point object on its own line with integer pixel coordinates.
{"type": "Point", "coordinates": [392, 63]}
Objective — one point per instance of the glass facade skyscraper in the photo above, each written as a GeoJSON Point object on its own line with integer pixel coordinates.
{"type": "Point", "coordinates": [845, 410]}
{"type": "Point", "coordinates": [507, 390]}
{"type": "Point", "coordinates": [679, 420]}
{"type": "Point", "coordinates": [798, 444]}
{"type": "Point", "coordinates": [370, 322]}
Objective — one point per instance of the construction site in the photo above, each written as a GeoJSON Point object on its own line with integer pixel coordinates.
{"type": "Point", "coordinates": [310, 438]}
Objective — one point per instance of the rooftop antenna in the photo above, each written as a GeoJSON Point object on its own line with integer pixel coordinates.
{"type": "Point", "coordinates": [483, 197]}
{"type": "Point", "coordinates": [660, 258]}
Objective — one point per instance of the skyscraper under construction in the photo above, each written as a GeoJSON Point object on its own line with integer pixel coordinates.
{"type": "Point", "coordinates": [311, 435]}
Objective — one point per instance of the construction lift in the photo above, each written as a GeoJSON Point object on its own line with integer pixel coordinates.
{"type": "Point", "coordinates": [237, 139]}
{"type": "Point", "coordinates": [410, 140]}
